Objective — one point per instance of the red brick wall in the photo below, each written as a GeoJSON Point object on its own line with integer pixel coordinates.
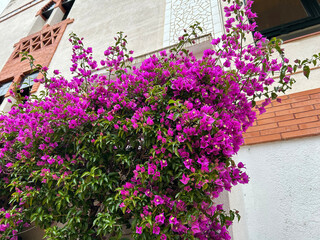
{"type": "Point", "coordinates": [296, 116]}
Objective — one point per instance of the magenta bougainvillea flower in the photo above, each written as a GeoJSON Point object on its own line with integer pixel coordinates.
{"type": "Point", "coordinates": [185, 179]}
{"type": "Point", "coordinates": [158, 200]}
{"type": "Point", "coordinates": [149, 147]}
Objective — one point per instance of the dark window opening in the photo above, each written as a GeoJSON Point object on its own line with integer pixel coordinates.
{"type": "Point", "coordinates": [283, 17]}
{"type": "Point", "coordinates": [46, 12]}
{"type": "Point", "coordinates": [3, 90]}
{"type": "Point", "coordinates": [27, 83]}
{"type": "Point", "coordinates": [25, 91]}
{"type": "Point", "coordinates": [67, 5]}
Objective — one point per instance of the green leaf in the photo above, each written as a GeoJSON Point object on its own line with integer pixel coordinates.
{"type": "Point", "coordinates": [189, 146]}
{"type": "Point", "coordinates": [274, 95]}
{"type": "Point", "coordinates": [306, 71]}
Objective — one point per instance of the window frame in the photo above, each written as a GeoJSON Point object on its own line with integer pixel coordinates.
{"type": "Point", "coordinates": [312, 8]}
{"type": "Point", "coordinates": [67, 6]}
{"type": "Point", "coordinates": [9, 82]}
{"type": "Point", "coordinates": [48, 9]}
{"type": "Point", "coordinates": [25, 86]}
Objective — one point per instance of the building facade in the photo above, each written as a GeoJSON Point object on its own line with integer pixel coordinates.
{"type": "Point", "coordinates": [281, 150]}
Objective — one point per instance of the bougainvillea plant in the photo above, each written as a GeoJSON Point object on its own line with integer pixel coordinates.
{"type": "Point", "coordinates": [148, 147]}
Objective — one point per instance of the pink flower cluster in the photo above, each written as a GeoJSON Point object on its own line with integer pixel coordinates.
{"type": "Point", "coordinates": [167, 130]}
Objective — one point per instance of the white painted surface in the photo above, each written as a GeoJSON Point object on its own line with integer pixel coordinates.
{"type": "Point", "coordinates": [99, 21]}
{"type": "Point", "coordinates": [14, 6]}
{"type": "Point", "coordinates": [5, 105]}
{"type": "Point", "coordinates": [37, 25]}
{"type": "Point", "coordinates": [15, 28]}
{"type": "Point", "coordinates": [3, 5]}
{"type": "Point", "coordinates": [282, 199]}
{"type": "Point", "coordinates": [301, 49]}
{"type": "Point", "coordinates": [180, 14]}
{"type": "Point", "coordinates": [55, 17]}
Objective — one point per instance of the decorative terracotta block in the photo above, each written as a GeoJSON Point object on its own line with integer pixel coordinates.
{"type": "Point", "coordinates": [41, 45]}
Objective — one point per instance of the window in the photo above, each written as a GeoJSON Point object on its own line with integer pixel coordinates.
{"type": "Point", "coordinates": [67, 5]}
{"type": "Point", "coordinates": [27, 83]}
{"type": "Point", "coordinates": [3, 90]}
{"type": "Point", "coordinates": [47, 10]}
{"type": "Point", "coordinates": [287, 18]}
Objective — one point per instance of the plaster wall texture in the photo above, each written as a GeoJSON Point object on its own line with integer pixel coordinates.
{"type": "Point", "coordinates": [15, 4]}
{"type": "Point", "coordinates": [3, 5]}
{"type": "Point", "coordinates": [180, 14]}
{"type": "Point", "coordinates": [142, 21]}
{"type": "Point", "coordinates": [281, 200]}
{"type": "Point", "coordinates": [12, 31]}
{"type": "Point", "coordinates": [304, 84]}
{"type": "Point", "coordinates": [301, 49]}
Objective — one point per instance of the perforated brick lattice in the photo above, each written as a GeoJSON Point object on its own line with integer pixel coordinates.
{"type": "Point", "coordinates": [42, 40]}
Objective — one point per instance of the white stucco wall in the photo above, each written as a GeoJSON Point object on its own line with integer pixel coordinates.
{"type": "Point", "coordinates": [301, 49]}
{"type": "Point", "coordinates": [15, 28]}
{"type": "Point", "coordinates": [3, 5]}
{"type": "Point", "coordinates": [282, 199]}
{"type": "Point", "coordinates": [142, 21]}
{"type": "Point", "coordinates": [13, 5]}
